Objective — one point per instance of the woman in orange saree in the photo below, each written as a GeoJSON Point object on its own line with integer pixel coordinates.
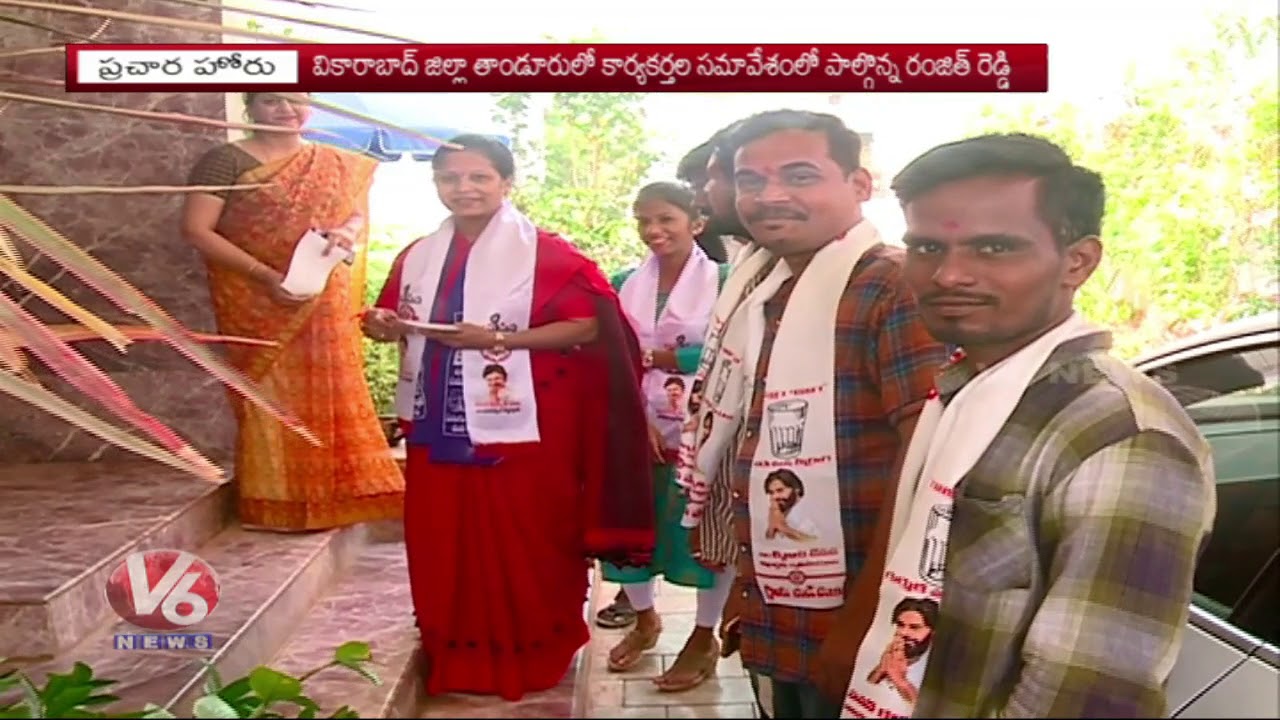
{"type": "Point", "coordinates": [316, 368]}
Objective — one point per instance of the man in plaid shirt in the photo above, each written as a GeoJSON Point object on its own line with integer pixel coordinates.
{"type": "Point", "coordinates": [799, 186]}
{"type": "Point", "coordinates": [1074, 537]}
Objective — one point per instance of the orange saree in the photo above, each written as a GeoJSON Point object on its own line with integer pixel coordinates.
{"type": "Point", "coordinates": [317, 369]}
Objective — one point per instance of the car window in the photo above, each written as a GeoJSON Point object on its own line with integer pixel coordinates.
{"type": "Point", "coordinates": [1234, 398]}
{"type": "Point", "coordinates": [1256, 611]}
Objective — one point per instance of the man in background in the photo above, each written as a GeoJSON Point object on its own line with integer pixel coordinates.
{"type": "Point", "coordinates": [708, 169]}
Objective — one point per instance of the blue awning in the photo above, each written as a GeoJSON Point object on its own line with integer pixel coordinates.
{"type": "Point", "coordinates": [438, 115]}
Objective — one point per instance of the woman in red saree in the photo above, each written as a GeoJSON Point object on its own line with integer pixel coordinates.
{"type": "Point", "coordinates": [247, 238]}
{"type": "Point", "coordinates": [521, 412]}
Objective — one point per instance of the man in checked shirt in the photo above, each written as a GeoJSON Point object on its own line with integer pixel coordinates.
{"type": "Point", "coordinates": [835, 402]}
{"type": "Point", "coordinates": [1080, 493]}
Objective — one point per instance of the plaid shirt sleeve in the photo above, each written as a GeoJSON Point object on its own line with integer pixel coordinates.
{"type": "Point", "coordinates": [1127, 527]}
{"type": "Point", "coordinates": [907, 358]}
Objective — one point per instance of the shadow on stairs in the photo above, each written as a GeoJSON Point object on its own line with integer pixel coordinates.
{"type": "Point", "coordinates": [286, 600]}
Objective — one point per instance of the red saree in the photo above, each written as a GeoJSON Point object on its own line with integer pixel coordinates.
{"type": "Point", "coordinates": [317, 370]}
{"type": "Point", "coordinates": [498, 553]}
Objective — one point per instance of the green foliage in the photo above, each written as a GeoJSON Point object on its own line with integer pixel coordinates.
{"type": "Point", "coordinates": [257, 26]}
{"type": "Point", "coordinates": [263, 693]}
{"type": "Point", "coordinates": [583, 170]}
{"type": "Point", "coordinates": [381, 360]}
{"type": "Point", "coordinates": [1190, 164]}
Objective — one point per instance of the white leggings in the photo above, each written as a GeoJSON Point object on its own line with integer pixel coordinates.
{"type": "Point", "coordinates": [710, 600]}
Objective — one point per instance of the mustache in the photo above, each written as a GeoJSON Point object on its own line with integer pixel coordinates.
{"type": "Point", "coordinates": [950, 298]}
{"type": "Point", "coordinates": [774, 212]}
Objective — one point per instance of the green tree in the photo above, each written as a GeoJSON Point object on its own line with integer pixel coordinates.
{"type": "Point", "coordinates": [381, 360]}
{"type": "Point", "coordinates": [1190, 165]}
{"type": "Point", "coordinates": [583, 167]}
{"type": "Point", "coordinates": [257, 26]}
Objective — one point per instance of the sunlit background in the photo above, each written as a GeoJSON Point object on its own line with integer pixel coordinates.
{"type": "Point", "coordinates": [1174, 103]}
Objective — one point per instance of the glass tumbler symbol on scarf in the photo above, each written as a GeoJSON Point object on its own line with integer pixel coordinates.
{"type": "Point", "coordinates": [933, 557]}
{"type": "Point", "coordinates": [786, 427]}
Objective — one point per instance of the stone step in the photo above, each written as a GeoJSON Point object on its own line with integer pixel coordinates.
{"type": "Point", "coordinates": [370, 604]}
{"type": "Point", "coordinates": [68, 527]}
{"type": "Point", "coordinates": [268, 581]}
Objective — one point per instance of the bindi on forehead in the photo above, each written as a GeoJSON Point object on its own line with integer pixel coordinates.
{"type": "Point", "coordinates": [950, 225]}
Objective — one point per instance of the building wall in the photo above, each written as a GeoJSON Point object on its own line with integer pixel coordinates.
{"type": "Point", "coordinates": [135, 235]}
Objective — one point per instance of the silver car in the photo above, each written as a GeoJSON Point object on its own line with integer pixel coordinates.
{"type": "Point", "coordinates": [1227, 379]}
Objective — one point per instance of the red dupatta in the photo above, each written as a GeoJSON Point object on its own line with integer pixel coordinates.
{"type": "Point", "coordinates": [617, 471]}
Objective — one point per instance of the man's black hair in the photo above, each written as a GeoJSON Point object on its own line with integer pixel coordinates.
{"type": "Point", "coordinates": [693, 166]}
{"type": "Point", "coordinates": [843, 144]}
{"type": "Point", "coordinates": [1071, 199]}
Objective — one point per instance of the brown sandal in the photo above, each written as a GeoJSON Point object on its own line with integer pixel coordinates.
{"type": "Point", "coordinates": [634, 644]}
{"type": "Point", "coordinates": [704, 669]}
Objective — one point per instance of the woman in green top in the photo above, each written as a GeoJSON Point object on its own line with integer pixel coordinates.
{"type": "Point", "coordinates": [669, 301]}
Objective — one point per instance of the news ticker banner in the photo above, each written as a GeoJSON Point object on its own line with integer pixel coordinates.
{"type": "Point", "coordinates": [1021, 68]}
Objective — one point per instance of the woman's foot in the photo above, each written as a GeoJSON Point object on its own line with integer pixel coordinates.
{"type": "Point", "coordinates": [642, 638]}
{"type": "Point", "coordinates": [695, 664]}
{"type": "Point", "coordinates": [619, 614]}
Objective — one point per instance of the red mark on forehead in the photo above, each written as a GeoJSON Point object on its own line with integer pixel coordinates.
{"type": "Point", "coordinates": [951, 224]}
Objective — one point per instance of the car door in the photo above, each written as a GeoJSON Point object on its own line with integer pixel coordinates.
{"type": "Point", "coordinates": [1251, 689]}
{"type": "Point", "coordinates": [1227, 666]}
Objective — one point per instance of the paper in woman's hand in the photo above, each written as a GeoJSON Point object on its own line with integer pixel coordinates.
{"type": "Point", "coordinates": [309, 269]}
{"type": "Point", "coordinates": [429, 326]}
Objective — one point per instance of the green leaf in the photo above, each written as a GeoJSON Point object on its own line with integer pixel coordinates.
{"type": "Point", "coordinates": [273, 686]}
{"type": "Point", "coordinates": [155, 711]}
{"type": "Point", "coordinates": [97, 700]}
{"type": "Point", "coordinates": [237, 690]}
{"type": "Point", "coordinates": [71, 694]}
{"type": "Point", "coordinates": [355, 656]}
{"type": "Point", "coordinates": [212, 679]}
{"type": "Point", "coordinates": [309, 708]}
{"type": "Point", "coordinates": [32, 696]}
{"type": "Point", "coordinates": [346, 711]}
{"type": "Point", "coordinates": [212, 706]}
{"type": "Point", "coordinates": [353, 652]}
{"type": "Point", "coordinates": [368, 674]}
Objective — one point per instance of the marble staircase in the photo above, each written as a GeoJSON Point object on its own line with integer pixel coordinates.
{"type": "Point", "coordinates": [286, 599]}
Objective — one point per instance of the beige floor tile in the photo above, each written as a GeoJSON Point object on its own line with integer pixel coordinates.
{"type": "Point", "coordinates": [727, 667]}
{"type": "Point", "coordinates": [639, 713]}
{"type": "Point", "coordinates": [605, 693]}
{"type": "Point", "coordinates": [650, 665]}
{"type": "Point", "coordinates": [633, 695]}
{"type": "Point", "coordinates": [735, 710]}
{"type": "Point", "coordinates": [715, 692]}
